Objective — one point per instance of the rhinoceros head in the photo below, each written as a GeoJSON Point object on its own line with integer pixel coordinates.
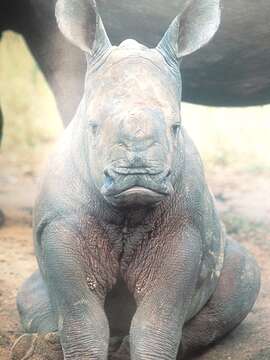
{"type": "Point", "coordinates": [132, 96]}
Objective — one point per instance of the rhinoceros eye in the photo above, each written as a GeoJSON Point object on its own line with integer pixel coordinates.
{"type": "Point", "coordinates": [175, 129]}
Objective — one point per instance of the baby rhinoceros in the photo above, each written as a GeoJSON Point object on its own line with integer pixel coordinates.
{"type": "Point", "coordinates": [128, 241]}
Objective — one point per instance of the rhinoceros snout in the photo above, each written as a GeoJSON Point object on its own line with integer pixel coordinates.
{"type": "Point", "coordinates": [136, 186]}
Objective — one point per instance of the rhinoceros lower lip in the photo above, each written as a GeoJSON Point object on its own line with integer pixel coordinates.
{"type": "Point", "coordinates": [139, 190]}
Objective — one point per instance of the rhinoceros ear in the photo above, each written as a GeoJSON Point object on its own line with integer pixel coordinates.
{"type": "Point", "coordinates": [192, 29]}
{"type": "Point", "coordinates": [80, 22]}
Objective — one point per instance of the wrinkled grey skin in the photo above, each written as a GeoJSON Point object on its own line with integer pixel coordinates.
{"type": "Point", "coordinates": [124, 204]}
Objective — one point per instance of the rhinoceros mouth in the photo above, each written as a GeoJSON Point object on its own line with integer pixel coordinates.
{"type": "Point", "coordinates": [136, 188]}
{"type": "Point", "coordinates": [139, 190]}
{"type": "Point", "coordinates": [137, 196]}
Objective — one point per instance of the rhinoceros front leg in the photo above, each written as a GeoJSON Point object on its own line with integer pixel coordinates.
{"type": "Point", "coordinates": [82, 323]}
{"type": "Point", "coordinates": [156, 328]}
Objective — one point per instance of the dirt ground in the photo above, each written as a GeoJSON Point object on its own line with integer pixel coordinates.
{"type": "Point", "coordinates": [243, 200]}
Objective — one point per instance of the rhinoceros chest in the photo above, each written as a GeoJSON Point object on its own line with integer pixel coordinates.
{"type": "Point", "coordinates": [138, 248]}
{"type": "Point", "coordinates": [150, 251]}
{"type": "Point", "coordinates": [141, 256]}
{"type": "Point", "coordinates": [109, 251]}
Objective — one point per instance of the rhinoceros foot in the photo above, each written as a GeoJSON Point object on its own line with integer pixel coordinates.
{"type": "Point", "coordinates": [37, 347]}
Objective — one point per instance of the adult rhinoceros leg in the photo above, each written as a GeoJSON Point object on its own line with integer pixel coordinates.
{"type": "Point", "coordinates": [234, 297]}
{"type": "Point", "coordinates": [62, 64]}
